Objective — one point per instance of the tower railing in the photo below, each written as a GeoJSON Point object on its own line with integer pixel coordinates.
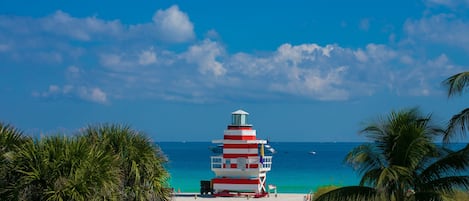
{"type": "Point", "coordinates": [265, 165]}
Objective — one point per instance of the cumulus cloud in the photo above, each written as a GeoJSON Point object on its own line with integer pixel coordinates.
{"type": "Point", "coordinates": [80, 28]}
{"type": "Point", "coordinates": [312, 83]}
{"type": "Point", "coordinates": [163, 60]}
{"type": "Point", "coordinates": [92, 94]}
{"type": "Point", "coordinates": [174, 25]}
{"type": "Point", "coordinates": [127, 61]}
{"type": "Point", "coordinates": [306, 70]}
{"type": "Point", "coordinates": [205, 56]}
{"type": "Point", "coordinates": [147, 57]}
{"type": "Point", "coordinates": [441, 29]}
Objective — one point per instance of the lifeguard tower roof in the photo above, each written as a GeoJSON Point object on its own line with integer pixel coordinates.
{"type": "Point", "coordinates": [240, 112]}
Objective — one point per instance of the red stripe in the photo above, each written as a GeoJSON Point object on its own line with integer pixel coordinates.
{"type": "Point", "coordinates": [238, 155]}
{"type": "Point", "coordinates": [240, 146]}
{"type": "Point", "coordinates": [234, 165]}
{"type": "Point", "coordinates": [235, 181]}
{"type": "Point", "coordinates": [253, 165]}
{"type": "Point", "coordinates": [239, 128]}
{"type": "Point", "coordinates": [239, 137]}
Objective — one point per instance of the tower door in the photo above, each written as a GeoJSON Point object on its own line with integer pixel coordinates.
{"type": "Point", "coordinates": [242, 163]}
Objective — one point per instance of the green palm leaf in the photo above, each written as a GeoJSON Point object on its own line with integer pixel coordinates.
{"type": "Point", "coordinates": [429, 196]}
{"type": "Point", "coordinates": [450, 164]}
{"type": "Point", "coordinates": [457, 83]}
{"type": "Point", "coordinates": [458, 124]}
{"type": "Point", "coordinates": [350, 193]}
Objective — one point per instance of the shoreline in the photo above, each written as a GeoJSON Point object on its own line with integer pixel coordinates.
{"type": "Point", "coordinates": [270, 197]}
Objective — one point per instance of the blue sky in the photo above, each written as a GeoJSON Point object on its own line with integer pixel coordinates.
{"type": "Point", "coordinates": [304, 70]}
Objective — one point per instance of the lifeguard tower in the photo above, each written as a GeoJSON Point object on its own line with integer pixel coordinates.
{"type": "Point", "coordinates": [242, 166]}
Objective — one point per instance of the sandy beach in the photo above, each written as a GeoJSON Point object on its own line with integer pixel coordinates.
{"type": "Point", "coordinates": [272, 197]}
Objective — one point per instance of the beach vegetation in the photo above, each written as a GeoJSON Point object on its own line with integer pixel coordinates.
{"type": "Point", "coordinates": [103, 162]}
{"type": "Point", "coordinates": [459, 123]}
{"type": "Point", "coordinates": [323, 189]}
{"type": "Point", "coordinates": [11, 141]}
{"type": "Point", "coordinates": [143, 176]}
{"type": "Point", "coordinates": [402, 162]}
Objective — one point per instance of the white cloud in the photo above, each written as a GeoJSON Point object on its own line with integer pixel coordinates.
{"type": "Point", "coordinates": [205, 56]}
{"type": "Point", "coordinates": [53, 89]}
{"type": "Point", "coordinates": [111, 60]}
{"type": "Point", "coordinates": [94, 94]}
{"type": "Point", "coordinates": [147, 57]}
{"type": "Point", "coordinates": [73, 73]}
{"type": "Point", "coordinates": [80, 28]}
{"type": "Point", "coordinates": [360, 55]}
{"type": "Point", "coordinates": [298, 53]}
{"type": "Point", "coordinates": [441, 29]}
{"type": "Point", "coordinates": [174, 25]}
{"type": "Point", "coordinates": [306, 70]}
{"type": "Point", "coordinates": [447, 3]}
{"type": "Point", "coordinates": [143, 61]}
{"type": "Point", "coordinates": [131, 60]}
{"type": "Point", "coordinates": [312, 83]}
{"type": "Point", "coordinates": [380, 53]}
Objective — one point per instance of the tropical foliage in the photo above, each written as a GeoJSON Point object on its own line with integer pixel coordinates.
{"type": "Point", "coordinates": [11, 140]}
{"type": "Point", "coordinates": [140, 163]}
{"type": "Point", "coordinates": [459, 123]}
{"type": "Point", "coordinates": [108, 162]}
{"type": "Point", "coordinates": [322, 190]}
{"type": "Point", "coordinates": [402, 163]}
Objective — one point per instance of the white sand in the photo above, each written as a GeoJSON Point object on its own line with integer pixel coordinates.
{"type": "Point", "coordinates": [280, 197]}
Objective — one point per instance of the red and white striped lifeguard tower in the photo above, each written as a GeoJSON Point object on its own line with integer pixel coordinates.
{"type": "Point", "coordinates": [241, 168]}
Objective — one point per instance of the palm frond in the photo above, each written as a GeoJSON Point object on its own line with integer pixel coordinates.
{"type": "Point", "coordinates": [364, 158]}
{"type": "Point", "coordinates": [393, 174]}
{"type": "Point", "coordinates": [459, 123]}
{"type": "Point", "coordinates": [141, 161]}
{"type": "Point", "coordinates": [451, 163]}
{"type": "Point", "coordinates": [457, 83]}
{"type": "Point", "coordinates": [350, 193]}
{"type": "Point", "coordinates": [426, 196]}
{"type": "Point", "coordinates": [445, 185]}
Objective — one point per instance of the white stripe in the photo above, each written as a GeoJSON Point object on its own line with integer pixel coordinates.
{"type": "Point", "coordinates": [239, 141]}
{"type": "Point", "coordinates": [236, 187]}
{"type": "Point", "coordinates": [240, 151]}
{"type": "Point", "coordinates": [249, 160]}
{"type": "Point", "coordinates": [241, 132]}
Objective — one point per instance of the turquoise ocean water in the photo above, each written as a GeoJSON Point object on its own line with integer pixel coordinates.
{"type": "Point", "coordinates": [294, 168]}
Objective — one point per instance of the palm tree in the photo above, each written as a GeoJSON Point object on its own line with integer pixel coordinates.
{"type": "Point", "coordinates": [402, 162]}
{"type": "Point", "coordinates": [141, 162]}
{"type": "Point", "coordinates": [65, 168]}
{"type": "Point", "coordinates": [11, 139]}
{"type": "Point", "coordinates": [456, 85]}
